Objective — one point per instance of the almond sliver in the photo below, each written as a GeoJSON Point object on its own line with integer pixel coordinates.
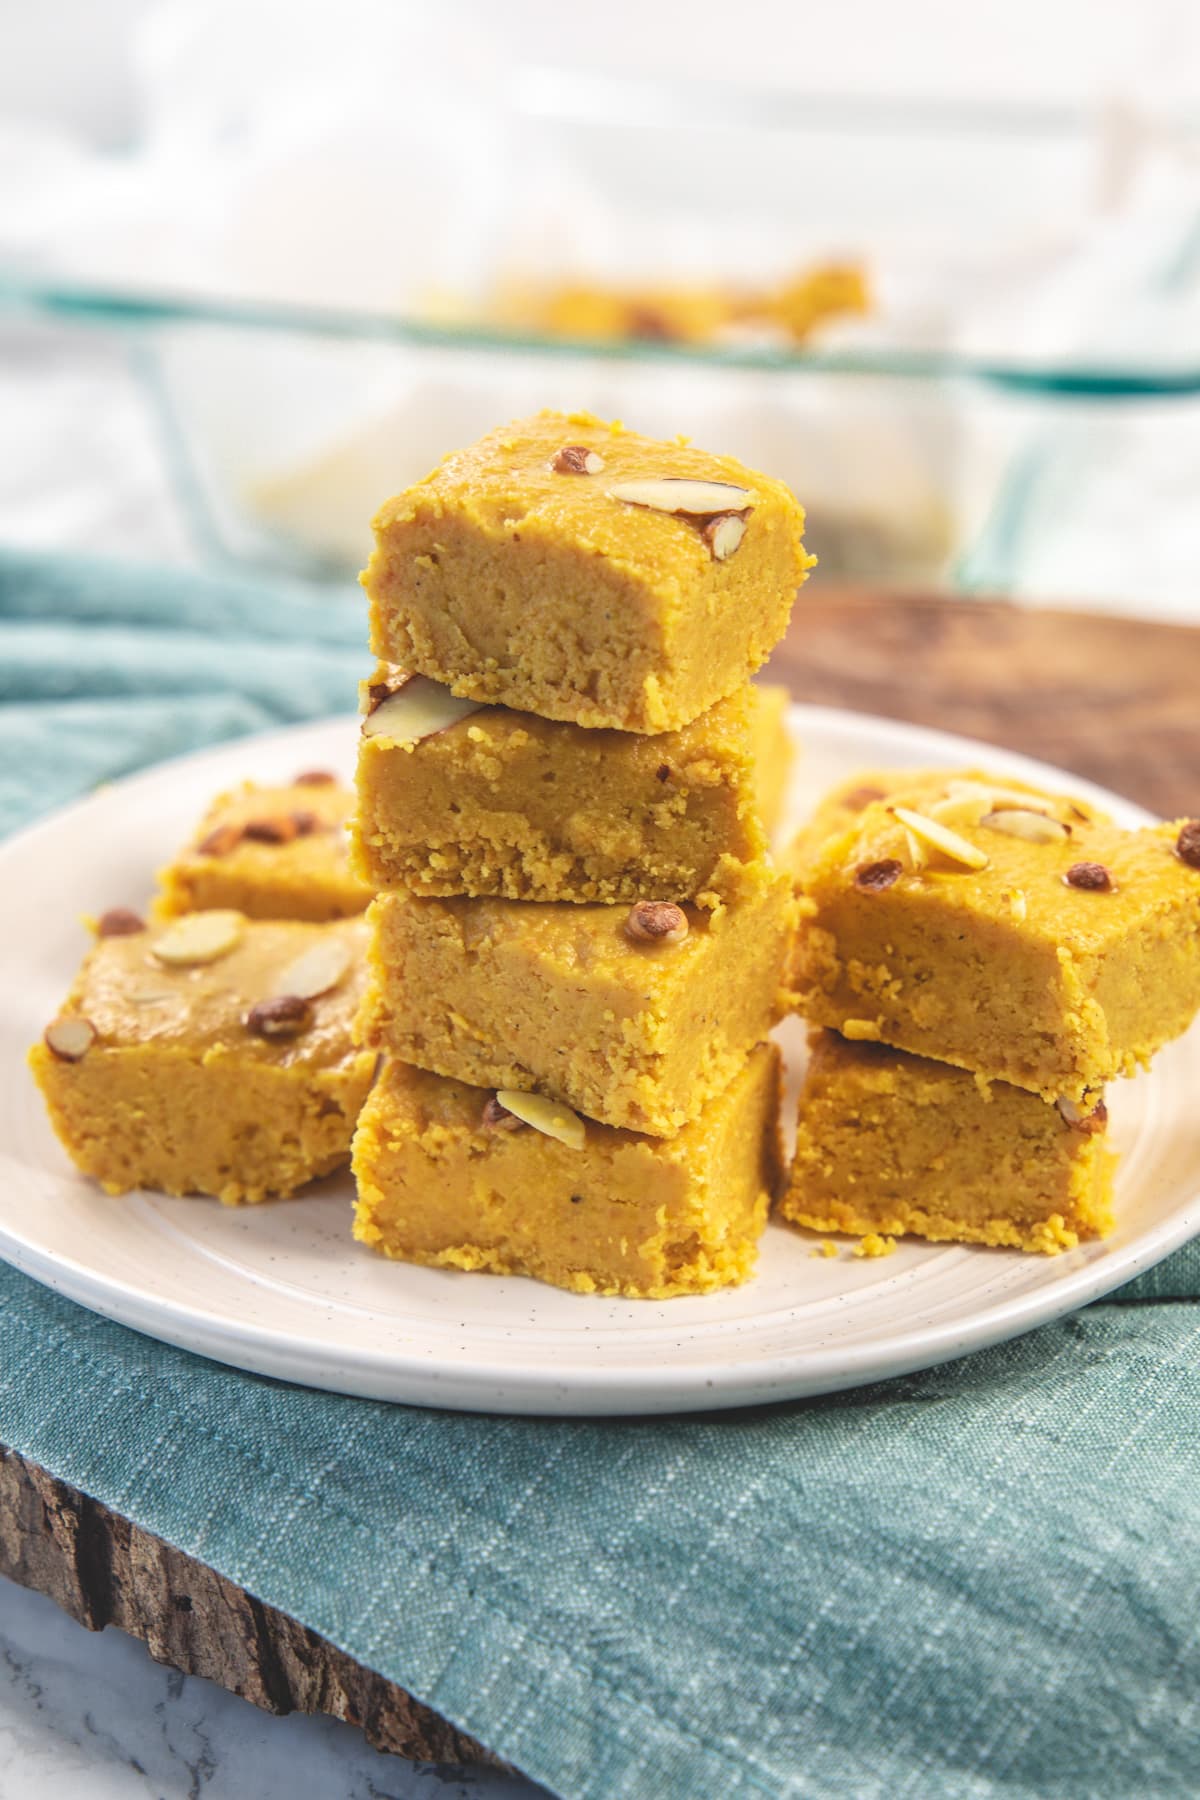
{"type": "Point", "coordinates": [199, 937]}
{"type": "Point", "coordinates": [418, 709]}
{"type": "Point", "coordinates": [70, 1038]}
{"type": "Point", "coordinates": [916, 849]}
{"type": "Point", "coordinates": [995, 795]}
{"type": "Point", "coordinates": [676, 494]}
{"type": "Point", "coordinates": [1020, 822]}
{"type": "Point", "coordinates": [940, 837]}
{"type": "Point", "coordinates": [548, 1116]}
{"type": "Point", "coordinates": [316, 971]}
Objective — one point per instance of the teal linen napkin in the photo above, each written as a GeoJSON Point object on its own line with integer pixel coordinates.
{"type": "Point", "coordinates": [982, 1581]}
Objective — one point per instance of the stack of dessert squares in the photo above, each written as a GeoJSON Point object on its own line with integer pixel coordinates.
{"type": "Point", "coordinates": [580, 940]}
{"type": "Point", "coordinates": [577, 941]}
{"type": "Point", "coordinates": [978, 957]}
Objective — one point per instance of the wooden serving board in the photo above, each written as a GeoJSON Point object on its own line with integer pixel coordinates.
{"type": "Point", "coordinates": [1113, 699]}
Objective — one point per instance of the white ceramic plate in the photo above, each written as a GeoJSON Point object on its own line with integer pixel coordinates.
{"type": "Point", "coordinates": [282, 1289]}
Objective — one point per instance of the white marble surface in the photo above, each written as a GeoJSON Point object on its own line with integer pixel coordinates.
{"type": "Point", "coordinates": [89, 1716]}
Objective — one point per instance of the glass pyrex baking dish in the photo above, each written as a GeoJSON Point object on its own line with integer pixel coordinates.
{"type": "Point", "coordinates": [1020, 262]}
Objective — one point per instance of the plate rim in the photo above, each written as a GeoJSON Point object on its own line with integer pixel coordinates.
{"type": "Point", "coordinates": [471, 1384]}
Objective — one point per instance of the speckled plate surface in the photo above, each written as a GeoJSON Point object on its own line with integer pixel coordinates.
{"type": "Point", "coordinates": [282, 1289]}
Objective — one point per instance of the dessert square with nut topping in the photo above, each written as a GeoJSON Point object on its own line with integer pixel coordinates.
{"type": "Point", "coordinates": [1015, 933]}
{"type": "Point", "coordinates": [271, 853]}
{"type": "Point", "coordinates": [448, 1175]}
{"type": "Point", "coordinates": [211, 1054]}
{"type": "Point", "coordinates": [571, 568]}
{"type": "Point", "coordinates": [497, 802]}
{"type": "Point", "coordinates": [634, 1015]}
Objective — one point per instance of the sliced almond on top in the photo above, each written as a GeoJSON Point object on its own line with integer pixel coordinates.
{"type": "Point", "coordinates": [200, 937]}
{"type": "Point", "coordinates": [918, 856]}
{"type": "Point", "coordinates": [315, 971]}
{"type": "Point", "coordinates": [963, 788]}
{"type": "Point", "coordinates": [966, 802]}
{"type": "Point", "coordinates": [548, 1116]}
{"type": "Point", "coordinates": [929, 831]}
{"type": "Point", "coordinates": [418, 709]}
{"type": "Point", "coordinates": [677, 494]}
{"type": "Point", "coordinates": [957, 809]}
{"type": "Point", "coordinates": [69, 1039]}
{"type": "Point", "coordinates": [723, 534]}
{"type": "Point", "coordinates": [1020, 822]}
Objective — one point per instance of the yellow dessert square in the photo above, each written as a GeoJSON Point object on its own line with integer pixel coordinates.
{"type": "Point", "coordinates": [894, 1144]}
{"type": "Point", "coordinates": [540, 569]}
{"type": "Point", "coordinates": [843, 804]}
{"type": "Point", "coordinates": [1026, 939]}
{"type": "Point", "coordinates": [210, 1055]}
{"type": "Point", "coordinates": [504, 803]}
{"type": "Point", "coordinates": [444, 1177]}
{"type": "Point", "coordinates": [592, 1005]}
{"type": "Point", "coordinates": [271, 853]}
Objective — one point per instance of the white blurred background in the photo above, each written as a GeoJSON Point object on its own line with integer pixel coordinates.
{"type": "Point", "coordinates": [74, 62]}
{"type": "Point", "coordinates": [219, 220]}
